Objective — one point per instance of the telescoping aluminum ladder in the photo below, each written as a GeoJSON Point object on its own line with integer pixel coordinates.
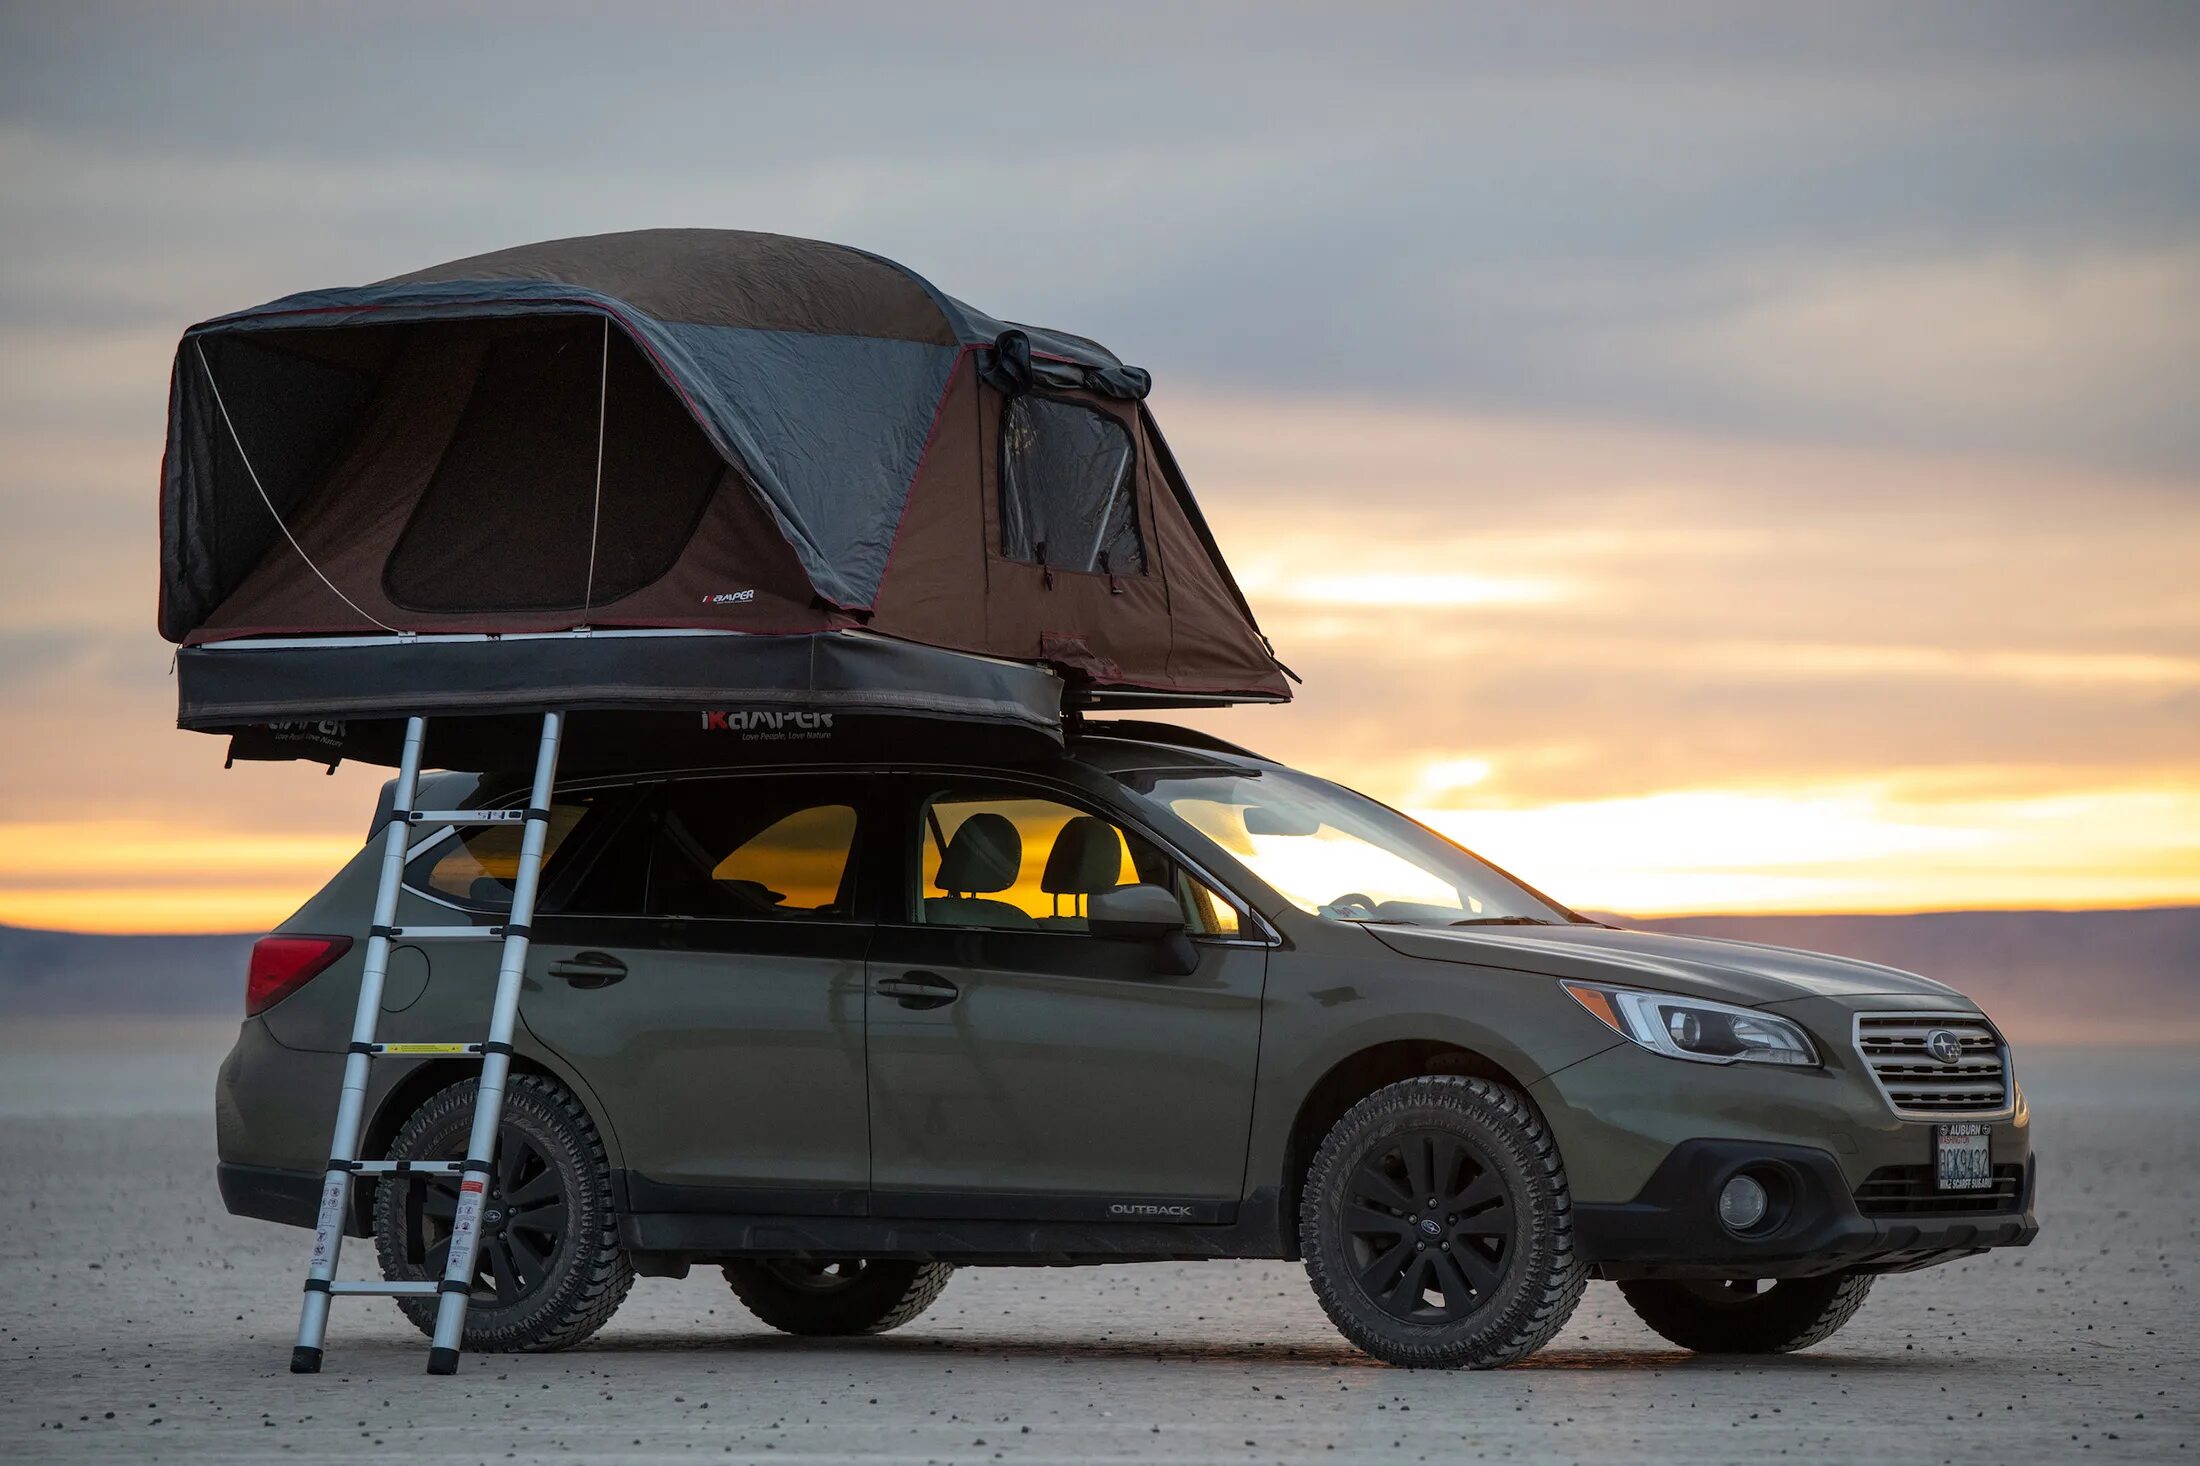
{"type": "Point", "coordinates": [452, 1291]}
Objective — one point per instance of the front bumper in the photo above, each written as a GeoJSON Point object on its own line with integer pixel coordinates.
{"type": "Point", "coordinates": [1649, 1141]}
{"type": "Point", "coordinates": [1672, 1229]}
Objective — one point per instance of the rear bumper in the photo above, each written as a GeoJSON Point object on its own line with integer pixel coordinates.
{"type": "Point", "coordinates": [272, 1195]}
{"type": "Point", "coordinates": [1672, 1229]}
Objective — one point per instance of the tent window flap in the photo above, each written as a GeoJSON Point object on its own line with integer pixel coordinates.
{"type": "Point", "coordinates": [1069, 488]}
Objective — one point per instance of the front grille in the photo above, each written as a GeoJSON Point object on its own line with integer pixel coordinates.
{"type": "Point", "coordinates": [1920, 1086]}
{"type": "Point", "coordinates": [1901, 1191]}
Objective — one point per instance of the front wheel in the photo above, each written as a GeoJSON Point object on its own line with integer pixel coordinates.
{"type": "Point", "coordinates": [833, 1298]}
{"type": "Point", "coordinates": [1437, 1228]}
{"type": "Point", "coordinates": [1749, 1316]}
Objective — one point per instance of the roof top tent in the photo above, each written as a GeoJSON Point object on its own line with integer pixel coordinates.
{"type": "Point", "coordinates": [673, 472]}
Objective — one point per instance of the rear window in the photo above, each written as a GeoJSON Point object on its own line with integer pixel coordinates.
{"type": "Point", "coordinates": [1069, 494]}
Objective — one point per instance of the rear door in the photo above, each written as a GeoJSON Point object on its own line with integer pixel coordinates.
{"type": "Point", "coordinates": [1021, 1067]}
{"type": "Point", "coordinates": [706, 976]}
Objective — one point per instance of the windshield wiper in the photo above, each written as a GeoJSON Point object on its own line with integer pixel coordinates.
{"type": "Point", "coordinates": [1504, 921]}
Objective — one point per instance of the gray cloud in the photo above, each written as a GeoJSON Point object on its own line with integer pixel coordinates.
{"type": "Point", "coordinates": [1585, 214]}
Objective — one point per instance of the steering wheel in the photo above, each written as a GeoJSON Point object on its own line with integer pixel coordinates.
{"type": "Point", "coordinates": [1351, 906]}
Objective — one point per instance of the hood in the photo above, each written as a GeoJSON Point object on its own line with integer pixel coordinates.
{"type": "Point", "coordinates": [1703, 967]}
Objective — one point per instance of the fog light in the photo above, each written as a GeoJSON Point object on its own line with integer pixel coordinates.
{"type": "Point", "coordinates": [1742, 1203]}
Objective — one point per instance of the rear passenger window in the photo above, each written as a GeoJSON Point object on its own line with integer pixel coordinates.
{"type": "Point", "coordinates": [755, 849]}
{"type": "Point", "coordinates": [805, 854]}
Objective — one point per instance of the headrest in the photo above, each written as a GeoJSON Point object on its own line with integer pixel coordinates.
{"type": "Point", "coordinates": [1087, 857]}
{"type": "Point", "coordinates": [984, 854]}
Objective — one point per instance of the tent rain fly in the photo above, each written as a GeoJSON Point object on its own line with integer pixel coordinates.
{"type": "Point", "coordinates": [678, 469]}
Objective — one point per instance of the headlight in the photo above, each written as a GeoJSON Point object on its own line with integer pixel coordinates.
{"type": "Point", "coordinates": [1691, 1028]}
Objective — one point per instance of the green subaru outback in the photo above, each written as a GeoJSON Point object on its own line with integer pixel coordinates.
{"type": "Point", "coordinates": [839, 1030]}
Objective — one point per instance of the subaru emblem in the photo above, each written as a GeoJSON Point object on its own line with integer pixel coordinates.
{"type": "Point", "coordinates": [1943, 1045]}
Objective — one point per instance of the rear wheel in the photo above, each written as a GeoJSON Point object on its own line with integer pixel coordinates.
{"type": "Point", "coordinates": [831, 1297]}
{"type": "Point", "coordinates": [1437, 1228]}
{"type": "Point", "coordinates": [548, 1271]}
{"type": "Point", "coordinates": [1749, 1316]}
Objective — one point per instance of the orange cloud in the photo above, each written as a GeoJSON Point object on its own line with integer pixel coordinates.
{"type": "Point", "coordinates": [1648, 671]}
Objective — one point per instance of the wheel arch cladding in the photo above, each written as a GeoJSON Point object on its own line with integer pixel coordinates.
{"type": "Point", "coordinates": [1353, 1079]}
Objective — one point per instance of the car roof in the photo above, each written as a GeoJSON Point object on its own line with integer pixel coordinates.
{"type": "Point", "coordinates": [1113, 747]}
{"type": "Point", "coordinates": [1124, 746]}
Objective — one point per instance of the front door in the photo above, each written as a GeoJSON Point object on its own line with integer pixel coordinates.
{"type": "Point", "coordinates": [1021, 1067]}
{"type": "Point", "coordinates": [705, 975]}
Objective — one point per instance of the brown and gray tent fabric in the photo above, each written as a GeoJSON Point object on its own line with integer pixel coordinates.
{"type": "Point", "coordinates": [691, 430]}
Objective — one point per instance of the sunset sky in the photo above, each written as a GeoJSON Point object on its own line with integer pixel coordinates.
{"type": "Point", "coordinates": [1704, 465]}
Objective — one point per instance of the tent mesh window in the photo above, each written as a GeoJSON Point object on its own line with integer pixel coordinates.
{"type": "Point", "coordinates": [510, 522]}
{"type": "Point", "coordinates": [1069, 495]}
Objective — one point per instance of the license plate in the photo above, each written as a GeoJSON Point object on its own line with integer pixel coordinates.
{"type": "Point", "coordinates": [1961, 1158]}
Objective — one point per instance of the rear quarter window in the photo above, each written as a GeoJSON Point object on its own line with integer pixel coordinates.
{"type": "Point", "coordinates": [478, 865]}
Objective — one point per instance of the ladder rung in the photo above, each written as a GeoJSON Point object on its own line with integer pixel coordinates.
{"type": "Point", "coordinates": [467, 816]}
{"type": "Point", "coordinates": [423, 1049]}
{"type": "Point", "coordinates": [382, 1290]}
{"type": "Point", "coordinates": [447, 933]}
{"type": "Point", "coordinates": [402, 1168]}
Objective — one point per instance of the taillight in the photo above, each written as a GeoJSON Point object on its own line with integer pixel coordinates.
{"type": "Point", "coordinates": [282, 964]}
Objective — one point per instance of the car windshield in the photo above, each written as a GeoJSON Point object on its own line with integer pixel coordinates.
{"type": "Point", "coordinates": [1338, 854]}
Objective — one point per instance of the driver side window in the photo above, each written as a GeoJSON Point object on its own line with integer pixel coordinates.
{"type": "Point", "coordinates": [1013, 861]}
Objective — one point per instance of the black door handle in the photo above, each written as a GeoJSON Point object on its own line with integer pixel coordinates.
{"type": "Point", "coordinates": [590, 970]}
{"type": "Point", "coordinates": [918, 990]}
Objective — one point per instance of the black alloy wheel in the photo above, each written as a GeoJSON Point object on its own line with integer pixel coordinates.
{"type": "Point", "coordinates": [1437, 1228]}
{"type": "Point", "coordinates": [548, 1271]}
{"type": "Point", "coordinates": [523, 1223]}
{"type": "Point", "coordinates": [1430, 1226]}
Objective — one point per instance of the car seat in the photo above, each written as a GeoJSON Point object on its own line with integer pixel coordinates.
{"type": "Point", "coordinates": [1087, 858]}
{"type": "Point", "coordinates": [984, 854]}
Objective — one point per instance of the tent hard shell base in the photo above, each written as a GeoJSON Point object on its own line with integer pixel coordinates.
{"type": "Point", "coordinates": [224, 684]}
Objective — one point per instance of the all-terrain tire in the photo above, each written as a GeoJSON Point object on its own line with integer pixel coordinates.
{"type": "Point", "coordinates": [831, 1299]}
{"type": "Point", "coordinates": [550, 1269]}
{"type": "Point", "coordinates": [1480, 1280]}
{"type": "Point", "coordinates": [1721, 1318]}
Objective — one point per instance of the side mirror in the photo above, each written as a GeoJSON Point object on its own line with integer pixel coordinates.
{"type": "Point", "coordinates": [1133, 913]}
{"type": "Point", "coordinates": [1144, 914]}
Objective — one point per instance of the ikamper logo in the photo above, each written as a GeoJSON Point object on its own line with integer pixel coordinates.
{"type": "Point", "coordinates": [767, 721]}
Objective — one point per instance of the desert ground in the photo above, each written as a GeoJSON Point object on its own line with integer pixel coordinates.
{"type": "Point", "coordinates": [144, 1323]}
